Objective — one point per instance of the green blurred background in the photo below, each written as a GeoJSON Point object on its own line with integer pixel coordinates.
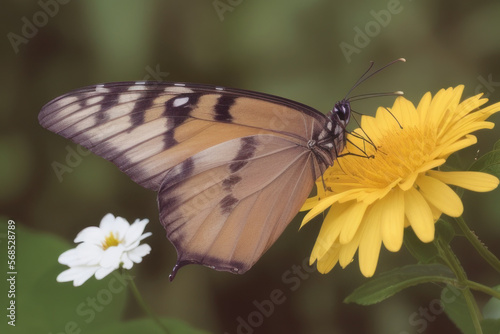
{"type": "Point", "coordinates": [289, 48]}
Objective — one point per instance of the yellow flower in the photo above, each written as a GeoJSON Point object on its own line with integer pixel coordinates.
{"type": "Point", "coordinates": [372, 200]}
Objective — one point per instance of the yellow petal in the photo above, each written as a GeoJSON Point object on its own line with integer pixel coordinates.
{"type": "Point", "coordinates": [440, 195]}
{"type": "Point", "coordinates": [436, 213]}
{"type": "Point", "coordinates": [430, 165]}
{"type": "Point", "coordinates": [347, 251]}
{"type": "Point", "coordinates": [309, 203]}
{"type": "Point", "coordinates": [439, 106]}
{"type": "Point", "coordinates": [423, 107]}
{"type": "Point", "coordinates": [329, 260]}
{"type": "Point", "coordinates": [457, 133]}
{"type": "Point", "coordinates": [448, 148]}
{"type": "Point", "coordinates": [475, 181]}
{"type": "Point", "coordinates": [370, 127]}
{"type": "Point", "coordinates": [489, 110]}
{"type": "Point", "coordinates": [330, 230]}
{"type": "Point", "coordinates": [470, 104]}
{"type": "Point", "coordinates": [393, 218]}
{"type": "Point", "coordinates": [419, 215]}
{"type": "Point", "coordinates": [449, 114]}
{"type": "Point", "coordinates": [408, 182]}
{"type": "Point", "coordinates": [352, 218]}
{"type": "Point", "coordinates": [369, 245]}
{"type": "Point", "coordinates": [320, 207]}
{"type": "Point", "coordinates": [410, 179]}
{"type": "Point", "coordinates": [403, 110]}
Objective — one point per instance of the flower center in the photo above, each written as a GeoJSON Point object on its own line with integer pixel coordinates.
{"type": "Point", "coordinates": [110, 241]}
{"type": "Point", "coordinates": [400, 152]}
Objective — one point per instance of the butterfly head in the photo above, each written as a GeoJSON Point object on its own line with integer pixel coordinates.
{"type": "Point", "coordinates": [332, 139]}
{"type": "Point", "coordinates": [342, 112]}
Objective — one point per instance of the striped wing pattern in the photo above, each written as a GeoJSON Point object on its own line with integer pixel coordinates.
{"type": "Point", "coordinates": [232, 167]}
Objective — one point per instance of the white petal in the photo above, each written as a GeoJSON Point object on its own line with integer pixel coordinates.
{"type": "Point", "coordinates": [111, 257]}
{"type": "Point", "coordinates": [84, 276]}
{"type": "Point", "coordinates": [103, 272]}
{"type": "Point", "coordinates": [136, 243]}
{"type": "Point", "coordinates": [90, 254]}
{"type": "Point", "coordinates": [107, 220]}
{"type": "Point", "coordinates": [68, 257]}
{"type": "Point", "coordinates": [126, 262]}
{"type": "Point", "coordinates": [135, 231]}
{"type": "Point", "coordinates": [69, 274]}
{"type": "Point", "coordinates": [92, 234]}
{"type": "Point", "coordinates": [77, 274]}
{"type": "Point", "coordinates": [111, 224]}
{"type": "Point", "coordinates": [138, 253]}
{"type": "Point", "coordinates": [83, 254]}
{"type": "Point", "coordinates": [120, 228]}
{"type": "Point", "coordinates": [145, 235]}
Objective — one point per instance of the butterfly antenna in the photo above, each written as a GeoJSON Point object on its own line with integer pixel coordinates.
{"type": "Point", "coordinates": [395, 118]}
{"type": "Point", "coordinates": [364, 155]}
{"type": "Point", "coordinates": [360, 80]}
{"type": "Point", "coordinates": [368, 75]}
{"type": "Point", "coordinates": [370, 141]}
{"type": "Point", "coordinates": [370, 95]}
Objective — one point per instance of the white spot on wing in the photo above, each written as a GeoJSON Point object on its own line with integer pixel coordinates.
{"type": "Point", "coordinates": [101, 88]}
{"type": "Point", "coordinates": [329, 126]}
{"type": "Point", "coordinates": [180, 101]}
{"type": "Point", "coordinates": [139, 85]}
{"type": "Point", "coordinates": [219, 88]}
{"type": "Point", "coordinates": [179, 84]}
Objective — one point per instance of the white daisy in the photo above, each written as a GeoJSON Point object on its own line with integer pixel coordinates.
{"type": "Point", "coordinates": [103, 249]}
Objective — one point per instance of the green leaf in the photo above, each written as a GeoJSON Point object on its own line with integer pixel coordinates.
{"type": "Point", "coordinates": [444, 231]}
{"type": "Point", "coordinates": [455, 307]}
{"type": "Point", "coordinates": [488, 163]}
{"type": "Point", "coordinates": [492, 308]}
{"type": "Point", "coordinates": [490, 326]}
{"type": "Point", "coordinates": [389, 283]}
{"type": "Point", "coordinates": [148, 326]}
{"type": "Point", "coordinates": [423, 252]}
{"type": "Point", "coordinates": [45, 306]}
{"type": "Point", "coordinates": [496, 146]}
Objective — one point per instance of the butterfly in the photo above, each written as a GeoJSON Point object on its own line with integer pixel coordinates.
{"type": "Point", "coordinates": [231, 167]}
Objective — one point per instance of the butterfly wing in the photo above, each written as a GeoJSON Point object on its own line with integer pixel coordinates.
{"type": "Point", "coordinates": [225, 206]}
{"type": "Point", "coordinates": [249, 152]}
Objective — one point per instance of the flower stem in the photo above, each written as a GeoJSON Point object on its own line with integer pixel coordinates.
{"type": "Point", "coordinates": [478, 245]}
{"type": "Point", "coordinates": [452, 261]}
{"type": "Point", "coordinates": [483, 288]}
{"type": "Point", "coordinates": [145, 307]}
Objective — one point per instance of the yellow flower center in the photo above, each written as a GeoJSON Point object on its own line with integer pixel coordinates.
{"type": "Point", "coordinates": [109, 241]}
{"type": "Point", "coordinates": [400, 152]}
